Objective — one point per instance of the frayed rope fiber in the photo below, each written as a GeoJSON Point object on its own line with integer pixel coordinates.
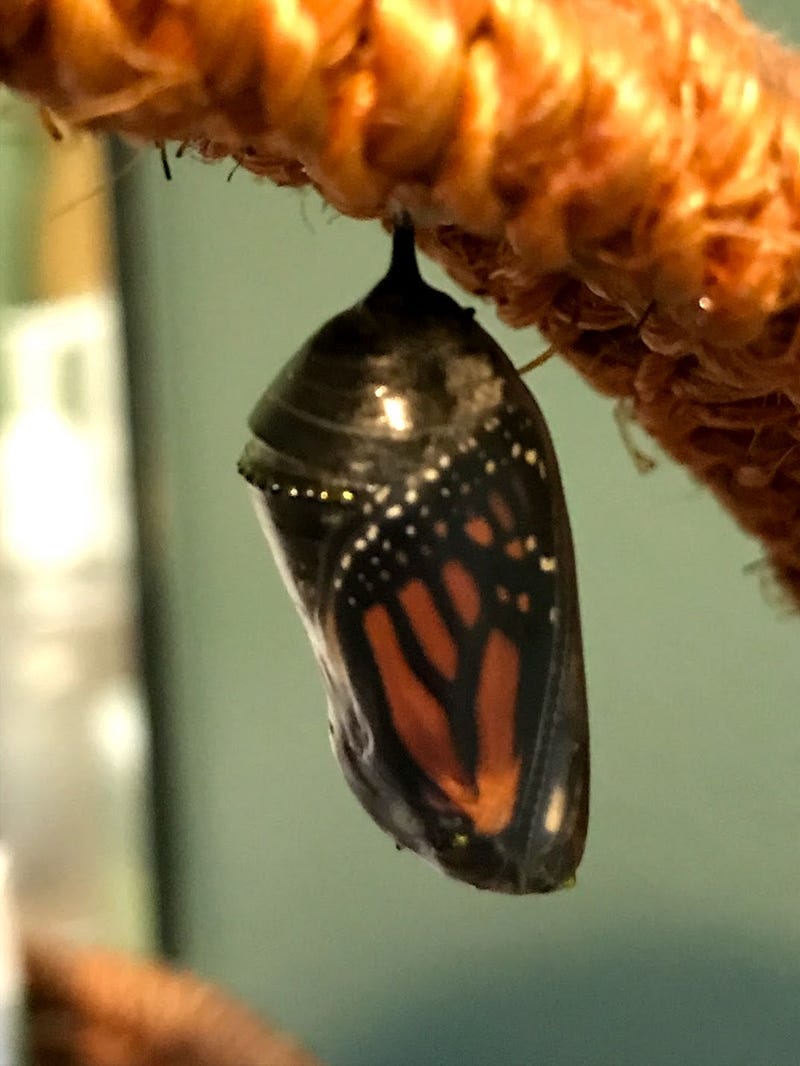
{"type": "Point", "coordinates": [624, 174]}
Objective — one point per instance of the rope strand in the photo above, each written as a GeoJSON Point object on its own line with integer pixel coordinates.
{"type": "Point", "coordinates": [91, 1007]}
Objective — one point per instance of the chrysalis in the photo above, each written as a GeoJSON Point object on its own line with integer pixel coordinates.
{"type": "Point", "coordinates": [406, 481]}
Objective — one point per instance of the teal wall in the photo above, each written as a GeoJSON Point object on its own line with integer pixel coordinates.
{"type": "Point", "coordinates": [680, 943]}
{"type": "Point", "coordinates": [21, 158]}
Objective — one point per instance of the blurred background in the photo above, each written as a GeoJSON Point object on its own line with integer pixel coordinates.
{"type": "Point", "coordinates": [165, 776]}
{"type": "Point", "coordinates": [74, 785]}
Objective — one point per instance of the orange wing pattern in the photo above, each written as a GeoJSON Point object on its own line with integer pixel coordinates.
{"type": "Point", "coordinates": [422, 723]}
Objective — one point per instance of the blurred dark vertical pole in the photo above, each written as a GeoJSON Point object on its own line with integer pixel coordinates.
{"type": "Point", "coordinates": [131, 235]}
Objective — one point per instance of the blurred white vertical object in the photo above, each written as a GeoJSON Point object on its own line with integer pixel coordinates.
{"type": "Point", "coordinates": [63, 466]}
{"type": "Point", "coordinates": [73, 733]}
{"type": "Point", "coordinates": [11, 984]}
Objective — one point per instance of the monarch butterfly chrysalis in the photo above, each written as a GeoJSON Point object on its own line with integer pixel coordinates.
{"type": "Point", "coordinates": [406, 481]}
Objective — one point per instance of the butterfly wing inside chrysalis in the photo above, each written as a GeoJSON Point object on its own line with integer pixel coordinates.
{"type": "Point", "coordinates": [456, 617]}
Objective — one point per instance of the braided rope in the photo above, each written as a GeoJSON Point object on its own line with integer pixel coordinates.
{"type": "Point", "coordinates": [625, 174]}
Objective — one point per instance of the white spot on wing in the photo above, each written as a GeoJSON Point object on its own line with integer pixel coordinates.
{"type": "Point", "coordinates": [555, 810]}
{"type": "Point", "coordinates": [395, 411]}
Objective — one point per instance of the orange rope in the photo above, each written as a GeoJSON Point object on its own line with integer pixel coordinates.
{"type": "Point", "coordinates": [623, 173]}
{"type": "Point", "coordinates": [90, 1007]}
